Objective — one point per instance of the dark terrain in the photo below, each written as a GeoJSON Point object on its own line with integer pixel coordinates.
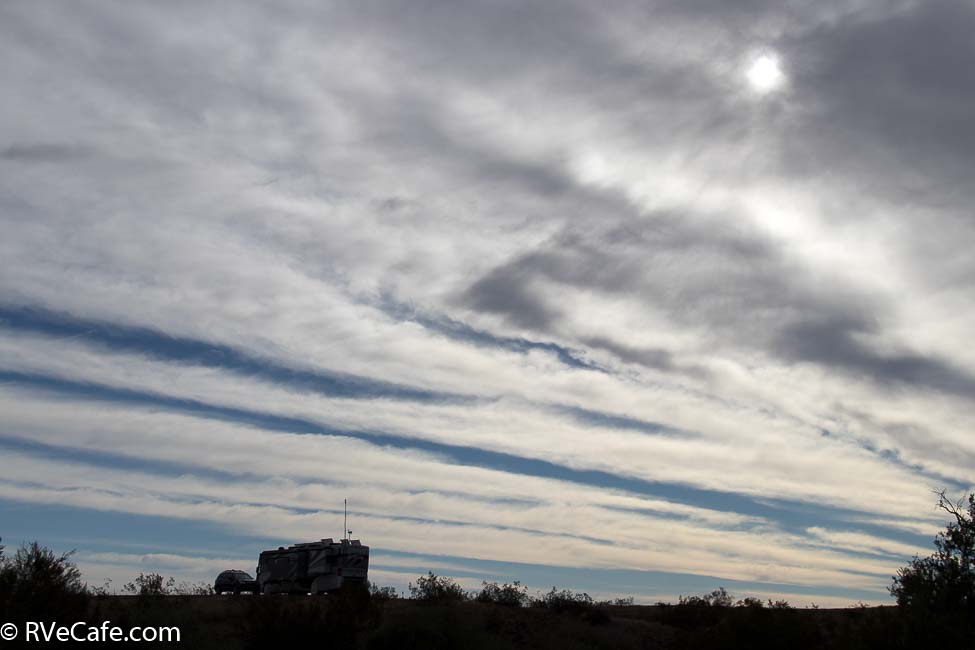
{"type": "Point", "coordinates": [358, 621]}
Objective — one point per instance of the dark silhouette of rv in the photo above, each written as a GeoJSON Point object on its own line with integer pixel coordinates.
{"type": "Point", "coordinates": [316, 567]}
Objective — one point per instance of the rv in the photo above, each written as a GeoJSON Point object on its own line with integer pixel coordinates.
{"type": "Point", "coordinates": [316, 567]}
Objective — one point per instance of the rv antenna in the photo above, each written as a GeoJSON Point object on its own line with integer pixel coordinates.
{"type": "Point", "coordinates": [345, 521]}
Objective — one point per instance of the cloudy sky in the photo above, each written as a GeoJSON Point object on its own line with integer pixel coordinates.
{"type": "Point", "coordinates": [638, 298]}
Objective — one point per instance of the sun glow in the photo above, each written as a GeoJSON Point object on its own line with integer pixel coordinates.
{"type": "Point", "coordinates": [765, 74]}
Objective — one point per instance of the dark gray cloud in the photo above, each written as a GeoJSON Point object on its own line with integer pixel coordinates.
{"type": "Point", "coordinates": [887, 100]}
{"type": "Point", "coordinates": [839, 344]}
{"type": "Point", "coordinates": [35, 153]}
{"type": "Point", "coordinates": [700, 274]}
{"type": "Point", "coordinates": [507, 291]}
{"type": "Point", "coordinates": [726, 282]}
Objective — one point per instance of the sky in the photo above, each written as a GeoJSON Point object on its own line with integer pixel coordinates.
{"type": "Point", "coordinates": [639, 298]}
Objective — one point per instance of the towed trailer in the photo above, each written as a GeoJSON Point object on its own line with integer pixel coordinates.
{"type": "Point", "coordinates": [315, 567]}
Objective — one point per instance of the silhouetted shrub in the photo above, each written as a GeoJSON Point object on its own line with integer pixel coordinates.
{"type": "Point", "coordinates": [103, 591]}
{"type": "Point", "coordinates": [156, 593]}
{"type": "Point", "coordinates": [509, 595]}
{"type": "Point", "coordinates": [382, 594]}
{"type": "Point", "coordinates": [36, 580]}
{"type": "Point", "coordinates": [564, 601]}
{"type": "Point", "coordinates": [936, 594]}
{"type": "Point", "coordinates": [151, 584]}
{"type": "Point", "coordinates": [717, 598]}
{"type": "Point", "coordinates": [434, 588]}
{"type": "Point", "coordinates": [568, 602]}
{"type": "Point", "coordinates": [697, 612]}
{"type": "Point", "coordinates": [717, 621]}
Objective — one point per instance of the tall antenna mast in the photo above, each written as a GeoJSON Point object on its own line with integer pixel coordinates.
{"type": "Point", "coordinates": [345, 520]}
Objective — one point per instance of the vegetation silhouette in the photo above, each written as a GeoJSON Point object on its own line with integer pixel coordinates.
{"type": "Point", "coordinates": [35, 579]}
{"type": "Point", "coordinates": [508, 595]}
{"type": "Point", "coordinates": [936, 594]}
{"type": "Point", "coordinates": [434, 588]}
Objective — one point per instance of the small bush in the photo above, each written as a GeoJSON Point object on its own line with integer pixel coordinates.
{"type": "Point", "coordinates": [717, 598]}
{"type": "Point", "coordinates": [576, 604]}
{"type": "Point", "coordinates": [508, 595]}
{"type": "Point", "coordinates": [716, 620]}
{"type": "Point", "coordinates": [698, 612]}
{"type": "Point", "coordinates": [37, 580]}
{"type": "Point", "coordinates": [104, 591]}
{"type": "Point", "coordinates": [750, 601]}
{"type": "Point", "coordinates": [382, 594]}
{"type": "Point", "coordinates": [434, 588]}
{"type": "Point", "coordinates": [564, 601]}
{"type": "Point", "coordinates": [151, 584]}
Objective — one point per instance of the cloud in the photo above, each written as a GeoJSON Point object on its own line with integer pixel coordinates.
{"type": "Point", "coordinates": [839, 345]}
{"type": "Point", "coordinates": [207, 354]}
{"type": "Point", "coordinates": [208, 501]}
{"type": "Point", "coordinates": [40, 153]}
{"type": "Point", "coordinates": [621, 448]}
{"type": "Point", "coordinates": [905, 134]}
{"type": "Point", "coordinates": [508, 292]}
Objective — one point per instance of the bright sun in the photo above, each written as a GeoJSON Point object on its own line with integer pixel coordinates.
{"type": "Point", "coordinates": [765, 74]}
